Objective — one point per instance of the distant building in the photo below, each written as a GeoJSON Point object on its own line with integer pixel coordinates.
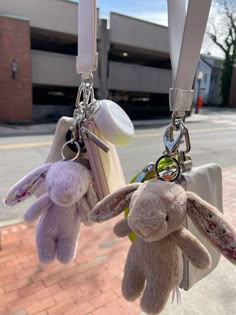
{"type": "Point", "coordinates": [209, 87]}
{"type": "Point", "coordinates": [38, 80]}
{"type": "Point", "coordinates": [232, 96]}
{"type": "Point", "coordinates": [41, 37]}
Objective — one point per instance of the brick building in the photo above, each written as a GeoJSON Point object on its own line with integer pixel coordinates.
{"type": "Point", "coordinates": [16, 93]}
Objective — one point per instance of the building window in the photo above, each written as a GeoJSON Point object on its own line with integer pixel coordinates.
{"type": "Point", "coordinates": [53, 42]}
{"type": "Point", "coordinates": [54, 95]}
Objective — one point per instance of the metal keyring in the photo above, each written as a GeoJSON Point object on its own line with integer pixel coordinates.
{"type": "Point", "coordinates": [165, 172]}
{"type": "Point", "coordinates": [65, 145]}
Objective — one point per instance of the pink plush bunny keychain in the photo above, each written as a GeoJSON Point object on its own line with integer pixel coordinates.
{"type": "Point", "coordinates": [157, 210]}
{"type": "Point", "coordinates": [69, 197]}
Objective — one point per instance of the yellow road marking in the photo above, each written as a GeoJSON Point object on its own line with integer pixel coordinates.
{"type": "Point", "coordinates": [25, 145]}
{"type": "Point", "coordinates": [147, 135]}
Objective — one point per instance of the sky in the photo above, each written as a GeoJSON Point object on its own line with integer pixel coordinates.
{"type": "Point", "coordinates": [149, 10]}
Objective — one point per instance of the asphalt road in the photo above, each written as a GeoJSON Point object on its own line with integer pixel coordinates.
{"type": "Point", "coordinates": [213, 139]}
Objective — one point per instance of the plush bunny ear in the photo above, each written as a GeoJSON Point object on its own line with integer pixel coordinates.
{"type": "Point", "coordinates": [26, 186]}
{"type": "Point", "coordinates": [213, 226]}
{"type": "Point", "coordinates": [113, 204]}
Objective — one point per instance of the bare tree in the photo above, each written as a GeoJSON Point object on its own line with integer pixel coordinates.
{"type": "Point", "coordinates": [222, 31]}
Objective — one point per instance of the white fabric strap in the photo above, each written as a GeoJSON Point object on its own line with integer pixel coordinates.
{"type": "Point", "coordinates": [86, 61]}
{"type": "Point", "coordinates": [186, 32]}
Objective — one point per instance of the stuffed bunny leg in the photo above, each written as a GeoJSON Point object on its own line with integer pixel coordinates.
{"type": "Point", "coordinates": [192, 248]}
{"type": "Point", "coordinates": [63, 247]}
{"type": "Point", "coordinates": [156, 294]}
{"type": "Point", "coordinates": [134, 280]}
{"type": "Point", "coordinates": [121, 228]}
{"type": "Point", "coordinates": [66, 256]}
{"type": "Point", "coordinates": [46, 246]}
{"type": "Point", "coordinates": [38, 208]}
{"type": "Point", "coordinates": [57, 238]}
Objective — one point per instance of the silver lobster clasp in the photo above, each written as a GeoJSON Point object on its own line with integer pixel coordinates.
{"type": "Point", "coordinates": [171, 143]}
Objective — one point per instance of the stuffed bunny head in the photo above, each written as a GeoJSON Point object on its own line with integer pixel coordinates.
{"type": "Point", "coordinates": [156, 210]}
{"type": "Point", "coordinates": [66, 183]}
{"type": "Point", "coordinates": [63, 184]}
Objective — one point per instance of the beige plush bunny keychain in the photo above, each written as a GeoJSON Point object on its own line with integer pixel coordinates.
{"type": "Point", "coordinates": [157, 210]}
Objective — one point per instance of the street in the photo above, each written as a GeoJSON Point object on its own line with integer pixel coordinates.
{"type": "Point", "coordinates": [212, 138]}
{"type": "Point", "coordinates": [91, 284]}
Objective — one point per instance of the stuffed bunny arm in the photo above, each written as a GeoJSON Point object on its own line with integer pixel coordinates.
{"type": "Point", "coordinates": [121, 228]}
{"type": "Point", "coordinates": [84, 210]}
{"type": "Point", "coordinates": [39, 207]}
{"type": "Point", "coordinates": [87, 203]}
{"type": "Point", "coordinates": [92, 195]}
{"type": "Point", "coordinates": [192, 248]}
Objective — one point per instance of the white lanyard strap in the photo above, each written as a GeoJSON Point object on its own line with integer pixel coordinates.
{"type": "Point", "coordinates": [186, 33]}
{"type": "Point", "coordinates": [86, 61]}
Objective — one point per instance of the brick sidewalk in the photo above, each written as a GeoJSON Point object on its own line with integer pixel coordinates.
{"type": "Point", "coordinates": [90, 285]}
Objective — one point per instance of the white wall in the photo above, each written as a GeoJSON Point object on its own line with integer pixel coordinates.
{"type": "Point", "coordinates": [54, 69]}
{"type": "Point", "coordinates": [54, 15]}
{"type": "Point", "coordinates": [132, 32]}
{"type": "Point", "coordinates": [127, 77]}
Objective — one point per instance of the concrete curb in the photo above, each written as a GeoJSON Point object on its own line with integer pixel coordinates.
{"type": "Point", "coordinates": [44, 129]}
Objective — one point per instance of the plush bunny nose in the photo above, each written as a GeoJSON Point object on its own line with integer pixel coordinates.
{"type": "Point", "coordinates": [142, 228]}
{"type": "Point", "coordinates": [145, 230]}
{"type": "Point", "coordinates": [65, 199]}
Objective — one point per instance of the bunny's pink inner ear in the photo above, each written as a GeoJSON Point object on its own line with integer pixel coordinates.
{"type": "Point", "coordinates": [113, 204]}
{"type": "Point", "coordinates": [213, 226]}
{"type": "Point", "coordinates": [26, 186]}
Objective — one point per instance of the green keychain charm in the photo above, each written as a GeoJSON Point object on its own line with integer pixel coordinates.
{"type": "Point", "coordinates": [147, 173]}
